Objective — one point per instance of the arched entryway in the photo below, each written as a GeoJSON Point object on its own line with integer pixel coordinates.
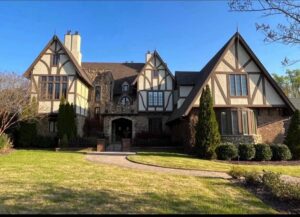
{"type": "Point", "coordinates": [121, 128]}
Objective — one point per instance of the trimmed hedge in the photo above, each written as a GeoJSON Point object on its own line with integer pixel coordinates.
{"type": "Point", "coordinates": [246, 151]}
{"type": "Point", "coordinates": [226, 151]}
{"type": "Point", "coordinates": [281, 152]}
{"type": "Point", "coordinates": [263, 152]}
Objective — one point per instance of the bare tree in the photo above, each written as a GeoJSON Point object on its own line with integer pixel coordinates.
{"type": "Point", "coordinates": [15, 102]}
{"type": "Point", "coordinates": [286, 32]}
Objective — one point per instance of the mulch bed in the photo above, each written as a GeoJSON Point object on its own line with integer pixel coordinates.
{"type": "Point", "coordinates": [282, 206]}
{"type": "Point", "coordinates": [281, 163]}
{"type": "Point", "coordinates": [7, 151]}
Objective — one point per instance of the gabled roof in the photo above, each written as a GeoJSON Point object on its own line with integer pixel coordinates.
{"type": "Point", "coordinates": [187, 78]}
{"type": "Point", "coordinates": [121, 72]}
{"type": "Point", "coordinates": [77, 67]}
{"type": "Point", "coordinates": [207, 71]}
{"type": "Point", "coordinates": [155, 54]}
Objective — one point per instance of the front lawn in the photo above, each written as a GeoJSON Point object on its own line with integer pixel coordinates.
{"type": "Point", "coordinates": [62, 182]}
{"type": "Point", "coordinates": [183, 161]}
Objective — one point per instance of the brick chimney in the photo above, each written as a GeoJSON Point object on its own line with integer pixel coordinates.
{"type": "Point", "coordinates": [73, 43]}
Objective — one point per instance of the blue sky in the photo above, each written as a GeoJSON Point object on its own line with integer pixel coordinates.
{"type": "Point", "coordinates": [185, 33]}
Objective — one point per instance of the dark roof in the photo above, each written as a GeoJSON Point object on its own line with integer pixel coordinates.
{"type": "Point", "coordinates": [209, 68]}
{"type": "Point", "coordinates": [296, 102]}
{"type": "Point", "coordinates": [121, 72]}
{"type": "Point", "coordinates": [187, 77]}
{"type": "Point", "coordinates": [78, 69]}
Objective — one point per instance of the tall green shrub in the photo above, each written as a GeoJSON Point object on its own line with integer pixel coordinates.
{"type": "Point", "coordinates": [292, 139]}
{"type": "Point", "coordinates": [66, 123]}
{"type": "Point", "coordinates": [207, 133]}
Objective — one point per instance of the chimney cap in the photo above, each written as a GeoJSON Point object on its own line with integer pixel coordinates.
{"type": "Point", "coordinates": [76, 33]}
{"type": "Point", "coordinates": [68, 32]}
{"type": "Point", "coordinates": [148, 52]}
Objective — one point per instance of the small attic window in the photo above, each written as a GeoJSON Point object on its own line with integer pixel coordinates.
{"type": "Point", "coordinates": [55, 59]}
{"type": "Point", "coordinates": [155, 73]}
{"type": "Point", "coordinates": [125, 87]}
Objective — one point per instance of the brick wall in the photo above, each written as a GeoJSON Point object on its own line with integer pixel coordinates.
{"type": "Point", "coordinates": [272, 126]}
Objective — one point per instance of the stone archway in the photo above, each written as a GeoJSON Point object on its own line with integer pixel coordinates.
{"type": "Point", "coordinates": [121, 128]}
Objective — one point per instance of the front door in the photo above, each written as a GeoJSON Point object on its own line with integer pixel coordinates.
{"type": "Point", "coordinates": [121, 128]}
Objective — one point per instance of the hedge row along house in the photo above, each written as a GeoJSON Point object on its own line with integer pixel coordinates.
{"type": "Point", "coordinates": [130, 98]}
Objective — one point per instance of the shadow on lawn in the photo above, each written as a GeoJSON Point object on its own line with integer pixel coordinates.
{"type": "Point", "coordinates": [50, 198]}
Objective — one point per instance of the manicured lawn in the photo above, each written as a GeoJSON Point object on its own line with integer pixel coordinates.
{"type": "Point", "coordinates": [62, 182]}
{"type": "Point", "coordinates": [184, 161]}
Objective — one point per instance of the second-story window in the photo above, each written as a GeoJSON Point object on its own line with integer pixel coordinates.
{"type": "Point", "coordinates": [125, 87]}
{"type": "Point", "coordinates": [97, 93]}
{"type": "Point", "coordinates": [125, 101]}
{"type": "Point", "coordinates": [55, 59]}
{"type": "Point", "coordinates": [155, 98]}
{"type": "Point", "coordinates": [238, 85]}
{"type": "Point", "coordinates": [53, 87]}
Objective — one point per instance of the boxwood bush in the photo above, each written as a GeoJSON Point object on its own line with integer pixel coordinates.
{"type": "Point", "coordinates": [226, 151]}
{"type": "Point", "coordinates": [281, 152]}
{"type": "Point", "coordinates": [246, 151]}
{"type": "Point", "coordinates": [263, 152]}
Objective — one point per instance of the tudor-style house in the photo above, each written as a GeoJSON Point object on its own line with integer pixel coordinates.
{"type": "Point", "coordinates": [128, 98]}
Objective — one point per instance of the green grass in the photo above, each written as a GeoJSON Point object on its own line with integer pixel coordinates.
{"type": "Point", "coordinates": [64, 182]}
{"type": "Point", "coordinates": [187, 162]}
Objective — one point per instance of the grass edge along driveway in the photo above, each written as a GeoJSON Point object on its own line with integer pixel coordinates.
{"type": "Point", "coordinates": [62, 182]}
{"type": "Point", "coordinates": [183, 161]}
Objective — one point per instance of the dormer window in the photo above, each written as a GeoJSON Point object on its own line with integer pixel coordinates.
{"type": "Point", "coordinates": [55, 59]}
{"type": "Point", "coordinates": [125, 87]}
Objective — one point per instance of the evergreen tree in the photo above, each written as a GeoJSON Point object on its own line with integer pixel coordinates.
{"type": "Point", "coordinates": [207, 132]}
{"type": "Point", "coordinates": [61, 118]}
{"type": "Point", "coordinates": [292, 139]}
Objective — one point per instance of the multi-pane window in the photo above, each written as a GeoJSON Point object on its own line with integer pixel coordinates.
{"type": "Point", "coordinates": [238, 85]}
{"type": "Point", "coordinates": [125, 101]}
{"type": "Point", "coordinates": [97, 93]}
{"type": "Point", "coordinates": [155, 125]}
{"type": "Point", "coordinates": [155, 98]}
{"type": "Point", "coordinates": [237, 122]}
{"type": "Point", "coordinates": [53, 87]}
{"type": "Point", "coordinates": [55, 59]}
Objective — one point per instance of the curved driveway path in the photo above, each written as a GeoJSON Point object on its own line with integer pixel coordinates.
{"type": "Point", "coordinates": [120, 160]}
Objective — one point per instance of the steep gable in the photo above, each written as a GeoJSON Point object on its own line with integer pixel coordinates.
{"type": "Point", "coordinates": [235, 57]}
{"type": "Point", "coordinates": [68, 64]}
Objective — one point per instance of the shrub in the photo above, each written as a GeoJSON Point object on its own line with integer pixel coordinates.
{"type": "Point", "coordinates": [253, 178]}
{"type": "Point", "coordinates": [292, 139]}
{"type": "Point", "coordinates": [279, 188]}
{"type": "Point", "coordinates": [44, 142]}
{"type": "Point", "coordinates": [5, 143]}
{"type": "Point", "coordinates": [237, 172]}
{"type": "Point", "coordinates": [226, 151]}
{"type": "Point", "coordinates": [27, 133]}
{"type": "Point", "coordinates": [64, 141]}
{"type": "Point", "coordinates": [263, 152]}
{"type": "Point", "coordinates": [246, 151]}
{"type": "Point", "coordinates": [280, 152]}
